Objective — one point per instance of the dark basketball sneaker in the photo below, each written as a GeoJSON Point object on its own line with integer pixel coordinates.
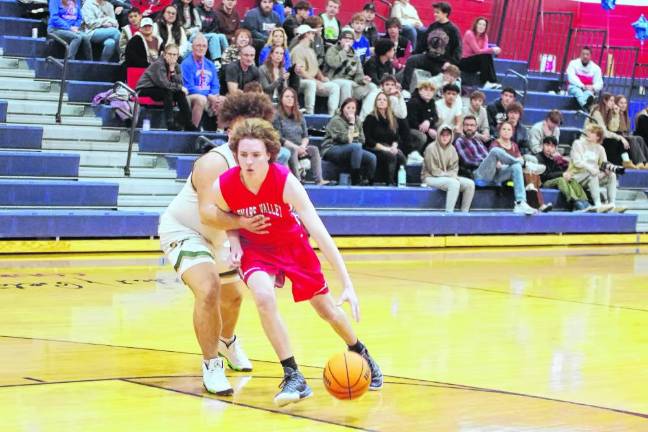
{"type": "Point", "coordinates": [376, 373]}
{"type": "Point", "coordinates": [293, 388]}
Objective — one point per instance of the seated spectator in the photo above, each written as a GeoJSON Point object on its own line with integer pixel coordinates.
{"type": "Point", "coordinates": [380, 64]}
{"type": "Point", "coordinates": [450, 75]}
{"type": "Point", "coordinates": [345, 69]}
{"type": "Point", "coordinates": [589, 167]}
{"type": "Point", "coordinates": [402, 47]}
{"type": "Point", "coordinates": [343, 143]}
{"type": "Point", "coordinates": [151, 8]}
{"type": "Point", "coordinates": [101, 24]}
{"type": "Point", "coordinates": [361, 44]}
{"type": "Point", "coordinates": [312, 81]}
{"type": "Point", "coordinates": [616, 146]}
{"type": "Point", "coordinates": [448, 110]}
{"type": "Point", "coordinates": [442, 37]}
{"type": "Point", "coordinates": [532, 170]}
{"type": "Point", "coordinates": [216, 41]}
{"type": "Point", "coordinates": [273, 75]}
{"type": "Point", "coordinates": [127, 32]}
{"type": "Point", "coordinates": [190, 18]}
{"type": "Point", "coordinates": [318, 45]}
{"type": "Point", "coordinates": [383, 137]}
{"type": "Point", "coordinates": [441, 170]}
{"type": "Point", "coordinates": [293, 131]}
{"type": "Point", "coordinates": [476, 108]}
{"type": "Point", "coordinates": [520, 134]}
{"type": "Point", "coordinates": [422, 117]}
{"type": "Point", "coordinates": [641, 124]}
{"type": "Point", "coordinates": [477, 55]}
{"type": "Point", "coordinates": [556, 175]}
{"type": "Point", "coordinates": [162, 81]}
{"type": "Point", "coordinates": [144, 47]}
{"type": "Point", "coordinates": [277, 38]}
{"type": "Point", "coordinates": [584, 78]}
{"type": "Point", "coordinates": [282, 8]}
{"type": "Point", "coordinates": [620, 124]}
{"type": "Point", "coordinates": [370, 31]}
{"type": "Point", "coordinates": [491, 166]}
{"type": "Point", "coordinates": [241, 72]}
{"type": "Point", "coordinates": [232, 54]}
{"type": "Point", "coordinates": [170, 29]}
{"type": "Point", "coordinates": [261, 21]}
{"type": "Point", "coordinates": [200, 78]}
{"type": "Point", "coordinates": [302, 9]}
{"type": "Point", "coordinates": [390, 86]}
{"type": "Point", "coordinates": [549, 127]}
{"type": "Point", "coordinates": [331, 24]}
{"type": "Point", "coordinates": [407, 15]}
{"type": "Point", "coordinates": [228, 20]}
{"type": "Point", "coordinates": [65, 22]}
{"type": "Point", "coordinates": [497, 110]}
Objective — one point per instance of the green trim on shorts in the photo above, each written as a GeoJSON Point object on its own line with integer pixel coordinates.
{"type": "Point", "coordinates": [190, 254]}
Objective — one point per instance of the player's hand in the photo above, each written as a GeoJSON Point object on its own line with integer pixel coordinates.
{"type": "Point", "coordinates": [235, 255]}
{"type": "Point", "coordinates": [349, 295]}
{"type": "Point", "coordinates": [258, 224]}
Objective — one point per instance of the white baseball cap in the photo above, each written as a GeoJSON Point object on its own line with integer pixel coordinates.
{"type": "Point", "coordinates": [303, 29]}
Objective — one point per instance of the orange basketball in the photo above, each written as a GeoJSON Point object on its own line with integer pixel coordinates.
{"type": "Point", "coordinates": [347, 376]}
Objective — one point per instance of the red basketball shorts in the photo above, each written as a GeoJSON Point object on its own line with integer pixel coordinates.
{"type": "Point", "coordinates": [296, 261]}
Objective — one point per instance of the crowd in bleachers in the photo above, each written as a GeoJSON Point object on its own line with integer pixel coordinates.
{"type": "Point", "coordinates": [394, 99]}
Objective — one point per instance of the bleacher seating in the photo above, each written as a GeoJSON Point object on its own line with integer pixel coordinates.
{"type": "Point", "coordinates": [32, 207]}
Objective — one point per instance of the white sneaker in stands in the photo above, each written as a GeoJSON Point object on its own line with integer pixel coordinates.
{"type": "Point", "coordinates": [535, 168]}
{"type": "Point", "coordinates": [524, 208]}
{"type": "Point", "coordinates": [214, 378]}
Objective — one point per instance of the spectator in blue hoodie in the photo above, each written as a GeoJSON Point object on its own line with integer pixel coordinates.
{"type": "Point", "coordinates": [200, 78]}
{"type": "Point", "coordinates": [65, 22]}
{"type": "Point", "coordinates": [261, 21]}
{"type": "Point", "coordinates": [361, 44]}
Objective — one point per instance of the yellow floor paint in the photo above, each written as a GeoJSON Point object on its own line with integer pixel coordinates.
{"type": "Point", "coordinates": [511, 339]}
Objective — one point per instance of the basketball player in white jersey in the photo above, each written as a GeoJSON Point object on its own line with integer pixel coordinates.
{"type": "Point", "coordinates": [197, 247]}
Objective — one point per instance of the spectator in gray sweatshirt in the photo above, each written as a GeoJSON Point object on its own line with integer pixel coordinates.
{"type": "Point", "coordinates": [550, 126]}
{"type": "Point", "coordinates": [100, 23]}
{"type": "Point", "coordinates": [261, 21]}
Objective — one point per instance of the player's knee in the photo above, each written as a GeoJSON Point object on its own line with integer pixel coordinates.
{"type": "Point", "coordinates": [209, 292]}
{"type": "Point", "coordinates": [265, 303]}
{"type": "Point", "coordinates": [233, 297]}
{"type": "Point", "coordinates": [329, 313]}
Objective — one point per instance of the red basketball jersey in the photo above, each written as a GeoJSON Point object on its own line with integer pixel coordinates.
{"type": "Point", "coordinates": [285, 227]}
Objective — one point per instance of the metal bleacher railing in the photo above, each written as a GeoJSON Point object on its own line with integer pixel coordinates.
{"type": "Point", "coordinates": [134, 119]}
{"type": "Point", "coordinates": [64, 66]}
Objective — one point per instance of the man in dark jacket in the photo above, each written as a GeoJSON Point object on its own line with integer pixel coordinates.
{"type": "Point", "coordinates": [370, 31]}
{"type": "Point", "coordinates": [380, 64]}
{"type": "Point", "coordinates": [442, 29]}
{"type": "Point", "coordinates": [497, 110]}
{"type": "Point", "coordinates": [422, 116]}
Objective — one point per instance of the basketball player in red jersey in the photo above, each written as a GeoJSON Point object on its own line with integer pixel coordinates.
{"type": "Point", "coordinates": [259, 186]}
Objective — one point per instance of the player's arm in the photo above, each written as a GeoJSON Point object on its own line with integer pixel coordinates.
{"type": "Point", "coordinates": [205, 175]}
{"type": "Point", "coordinates": [296, 196]}
{"type": "Point", "coordinates": [223, 213]}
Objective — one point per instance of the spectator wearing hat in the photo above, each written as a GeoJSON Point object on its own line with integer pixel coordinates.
{"type": "Point", "coordinates": [402, 47]}
{"type": "Point", "coordinates": [408, 16]}
{"type": "Point", "coordinates": [361, 44]}
{"type": "Point", "coordinates": [549, 127]}
{"type": "Point", "coordinates": [440, 170]}
{"type": "Point", "coordinates": [476, 109]}
{"type": "Point", "coordinates": [331, 23]}
{"type": "Point", "coordinates": [380, 64]}
{"type": "Point", "coordinates": [228, 19]}
{"type": "Point", "coordinates": [447, 108]}
{"type": "Point", "coordinates": [370, 31]}
{"type": "Point", "coordinates": [127, 32]}
{"type": "Point", "coordinates": [302, 9]}
{"type": "Point", "coordinates": [200, 78]}
{"type": "Point", "coordinates": [345, 68]}
{"type": "Point", "coordinates": [313, 82]}
{"type": "Point", "coordinates": [261, 20]}
{"type": "Point", "coordinates": [144, 47]}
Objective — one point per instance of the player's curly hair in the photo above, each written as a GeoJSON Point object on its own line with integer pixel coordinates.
{"type": "Point", "coordinates": [241, 105]}
{"type": "Point", "coordinates": [256, 128]}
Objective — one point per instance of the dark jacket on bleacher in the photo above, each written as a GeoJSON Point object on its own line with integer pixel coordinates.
{"type": "Point", "coordinates": [418, 111]}
{"type": "Point", "coordinates": [376, 70]}
{"type": "Point", "coordinates": [453, 49]}
{"type": "Point", "coordinates": [496, 115]}
{"type": "Point", "coordinates": [555, 167]}
{"type": "Point", "coordinates": [157, 76]}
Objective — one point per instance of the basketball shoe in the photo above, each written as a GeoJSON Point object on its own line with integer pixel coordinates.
{"type": "Point", "coordinates": [233, 352]}
{"type": "Point", "coordinates": [293, 388]}
{"type": "Point", "coordinates": [376, 373]}
{"type": "Point", "coordinates": [214, 378]}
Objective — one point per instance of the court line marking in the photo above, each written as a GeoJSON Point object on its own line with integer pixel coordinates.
{"type": "Point", "coordinates": [494, 291]}
{"type": "Point", "coordinates": [34, 379]}
{"type": "Point", "coordinates": [422, 382]}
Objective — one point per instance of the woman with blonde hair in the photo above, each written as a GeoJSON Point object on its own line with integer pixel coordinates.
{"type": "Point", "coordinates": [616, 147]}
{"type": "Point", "coordinates": [277, 37]}
{"type": "Point", "coordinates": [621, 125]}
{"type": "Point", "coordinates": [383, 136]}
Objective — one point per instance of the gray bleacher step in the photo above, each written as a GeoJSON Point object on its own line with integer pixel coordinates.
{"type": "Point", "coordinates": [109, 174]}
{"type": "Point", "coordinates": [105, 146]}
{"type": "Point", "coordinates": [143, 201]}
{"type": "Point", "coordinates": [25, 84]}
{"type": "Point", "coordinates": [78, 133]}
{"type": "Point", "coordinates": [642, 227]}
{"type": "Point", "coordinates": [631, 195]}
{"type": "Point", "coordinates": [112, 159]}
{"type": "Point", "coordinates": [44, 108]}
{"type": "Point", "coordinates": [147, 186]}
{"type": "Point", "coordinates": [30, 96]}
{"type": "Point", "coordinates": [50, 120]}
{"type": "Point", "coordinates": [9, 63]}
{"type": "Point", "coordinates": [17, 73]}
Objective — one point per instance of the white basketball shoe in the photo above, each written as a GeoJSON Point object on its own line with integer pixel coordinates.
{"type": "Point", "coordinates": [236, 358]}
{"type": "Point", "coordinates": [214, 378]}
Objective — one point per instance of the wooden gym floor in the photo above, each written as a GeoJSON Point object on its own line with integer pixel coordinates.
{"type": "Point", "coordinates": [470, 340]}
